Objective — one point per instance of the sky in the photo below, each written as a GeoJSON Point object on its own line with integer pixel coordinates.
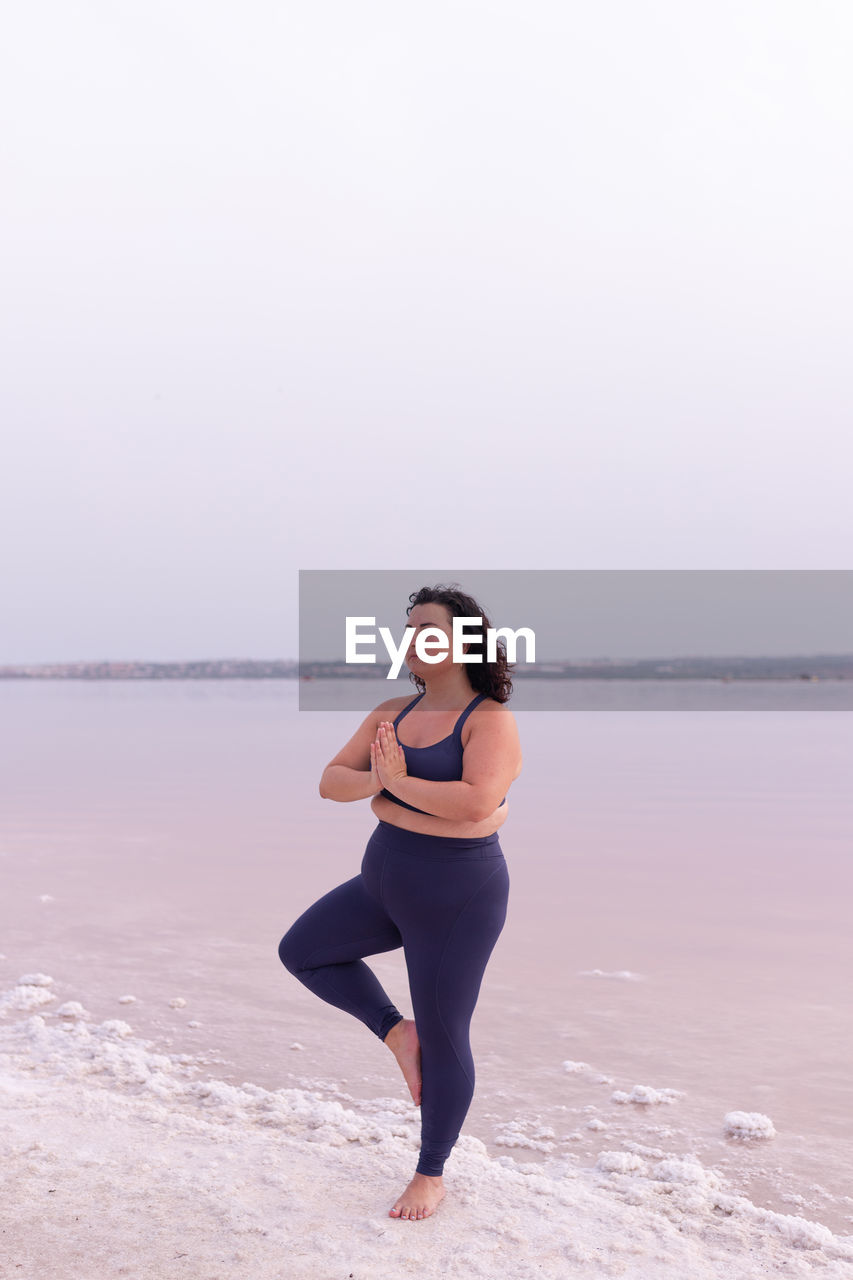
{"type": "Point", "coordinates": [332, 286]}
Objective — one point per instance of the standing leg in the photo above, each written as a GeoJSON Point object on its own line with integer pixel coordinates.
{"type": "Point", "coordinates": [324, 950]}
{"type": "Point", "coordinates": [445, 975]}
{"type": "Point", "coordinates": [451, 915]}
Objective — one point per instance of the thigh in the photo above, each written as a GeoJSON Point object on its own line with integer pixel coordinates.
{"type": "Point", "coordinates": [450, 925]}
{"type": "Point", "coordinates": [345, 924]}
{"type": "Point", "coordinates": [468, 946]}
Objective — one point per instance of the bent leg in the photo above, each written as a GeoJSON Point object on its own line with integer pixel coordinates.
{"type": "Point", "coordinates": [323, 949]}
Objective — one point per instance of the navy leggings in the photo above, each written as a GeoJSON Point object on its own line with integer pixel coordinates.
{"type": "Point", "coordinates": [444, 901]}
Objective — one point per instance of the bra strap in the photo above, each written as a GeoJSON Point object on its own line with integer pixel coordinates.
{"type": "Point", "coordinates": [407, 709]}
{"type": "Point", "coordinates": [475, 702]}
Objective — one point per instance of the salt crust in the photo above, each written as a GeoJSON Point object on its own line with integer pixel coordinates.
{"type": "Point", "coordinates": [523, 1133]}
{"type": "Point", "coordinates": [748, 1124]}
{"type": "Point", "coordinates": [30, 992]}
{"type": "Point", "coordinates": [624, 974]}
{"type": "Point", "coordinates": [646, 1096]}
{"type": "Point", "coordinates": [584, 1069]}
{"type": "Point", "coordinates": [230, 1180]}
{"type": "Point", "coordinates": [72, 1009]}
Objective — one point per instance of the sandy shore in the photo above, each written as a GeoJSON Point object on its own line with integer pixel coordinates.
{"type": "Point", "coordinates": [120, 1160]}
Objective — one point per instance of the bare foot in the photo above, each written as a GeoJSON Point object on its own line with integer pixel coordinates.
{"type": "Point", "coordinates": [421, 1198]}
{"type": "Point", "coordinates": [403, 1042]}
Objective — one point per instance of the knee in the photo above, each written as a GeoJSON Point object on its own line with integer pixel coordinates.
{"type": "Point", "coordinates": [287, 952]}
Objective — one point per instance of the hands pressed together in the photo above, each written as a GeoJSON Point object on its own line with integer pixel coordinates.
{"type": "Point", "coordinates": [387, 760]}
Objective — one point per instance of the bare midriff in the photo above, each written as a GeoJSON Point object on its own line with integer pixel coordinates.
{"type": "Point", "coordinates": [429, 825]}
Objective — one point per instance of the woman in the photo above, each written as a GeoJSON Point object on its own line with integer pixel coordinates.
{"type": "Point", "coordinates": [433, 878]}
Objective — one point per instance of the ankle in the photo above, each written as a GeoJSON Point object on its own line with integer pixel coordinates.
{"type": "Point", "coordinates": [393, 1035]}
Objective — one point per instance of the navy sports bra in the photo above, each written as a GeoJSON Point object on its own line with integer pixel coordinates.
{"type": "Point", "coordinates": [440, 762]}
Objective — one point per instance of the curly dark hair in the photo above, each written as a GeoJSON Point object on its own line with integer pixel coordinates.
{"type": "Point", "coordinates": [491, 678]}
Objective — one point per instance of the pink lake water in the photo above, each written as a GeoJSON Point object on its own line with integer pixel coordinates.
{"type": "Point", "coordinates": [680, 914]}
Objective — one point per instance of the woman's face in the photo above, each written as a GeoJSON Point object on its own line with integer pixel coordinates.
{"type": "Point", "coordinates": [428, 616]}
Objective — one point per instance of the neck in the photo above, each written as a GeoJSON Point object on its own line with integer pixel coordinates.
{"type": "Point", "coordinates": [447, 689]}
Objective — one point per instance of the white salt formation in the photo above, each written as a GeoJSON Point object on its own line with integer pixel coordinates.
{"type": "Point", "coordinates": [624, 974]}
{"type": "Point", "coordinates": [521, 1133]}
{"type": "Point", "coordinates": [584, 1069]}
{"type": "Point", "coordinates": [645, 1096]}
{"type": "Point", "coordinates": [619, 1162]}
{"type": "Point", "coordinates": [30, 993]}
{"type": "Point", "coordinates": [72, 1009]}
{"type": "Point", "coordinates": [114, 1027]}
{"type": "Point", "coordinates": [748, 1124]}
{"type": "Point", "coordinates": [123, 1160]}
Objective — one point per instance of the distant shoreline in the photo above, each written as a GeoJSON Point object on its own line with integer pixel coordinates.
{"type": "Point", "coordinates": [794, 667]}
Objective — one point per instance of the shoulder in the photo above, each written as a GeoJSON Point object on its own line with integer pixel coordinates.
{"type": "Point", "coordinates": [491, 717]}
{"type": "Point", "coordinates": [492, 709]}
{"type": "Point", "coordinates": [392, 707]}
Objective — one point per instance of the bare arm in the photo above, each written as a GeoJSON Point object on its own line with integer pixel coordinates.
{"type": "Point", "coordinates": [342, 783]}
{"type": "Point", "coordinates": [348, 776]}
